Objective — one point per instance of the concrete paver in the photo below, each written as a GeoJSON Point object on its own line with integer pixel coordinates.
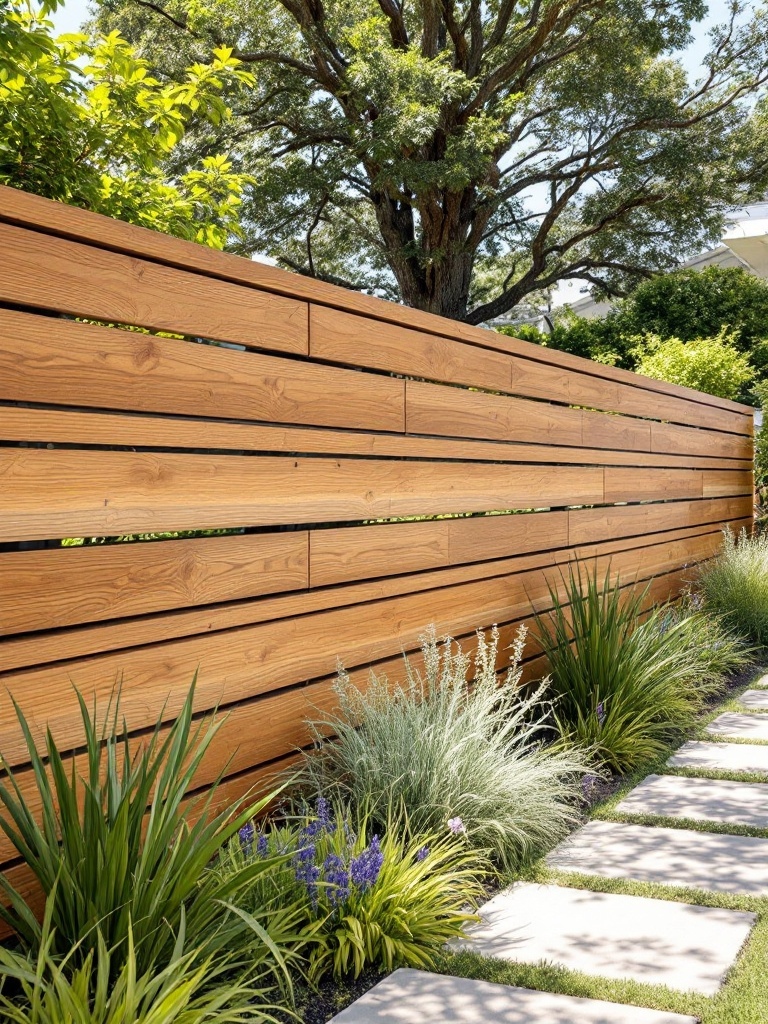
{"type": "Point", "coordinates": [656, 941]}
{"type": "Point", "coordinates": [726, 757]}
{"type": "Point", "coordinates": [747, 727]}
{"type": "Point", "coordinates": [415, 997]}
{"type": "Point", "coordinates": [754, 699]}
{"type": "Point", "coordinates": [669, 856]}
{"type": "Point", "coordinates": [672, 796]}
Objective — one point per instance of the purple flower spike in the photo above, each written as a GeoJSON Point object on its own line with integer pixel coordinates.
{"type": "Point", "coordinates": [456, 825]}
{"type": "Point", "coordinates": [337, 876]}
{"type": "Point", "coordinates": [422, 854]}
{"type": "Point", "coordinates": [600, 712]}
{"type": "Point", "coordinates": [246, 837]}
{"type": "Point", "coordinates": [262, 846]}
{"type": "Point", "coordinates": [365, 868]}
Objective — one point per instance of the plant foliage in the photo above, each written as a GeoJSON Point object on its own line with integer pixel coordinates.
{"type": "Point", "coordinates": [71, 990]}
{"type": "Point", "coordinates": [734, 584]}
{"type": "Point", "coordinates": [441, 746]}
{"type": "Point", "coordinates": [84, 121]}
{"type": "Point", "coordinates": [122, 853]}
{"type": "Point", "coordinates": [367, 901]}
{"type": "Point", "coordinates": [626, 681]}
{"type": "Point", "coordinates": [462, 156]}
{"type": "Point", "coordinates": [713, 365]}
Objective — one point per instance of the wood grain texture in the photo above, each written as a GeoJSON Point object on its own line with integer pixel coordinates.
{"type": "Point", "coordinates": [48, 589]}
{"type": "Point", "coordinates": [86, 427]}
{"type": "Point", "coordinates": [62, 362]}
{"type": "Point", "coordinates": [60, 221]}
{"type": "Point", "coordinates": [82, 281]}
{"type": "Point", "coordinates": [356, 553]}
{"type": "Point", "coordinates": [356, 341]}
{"type": "Point", "coordinates": [20, 652]}
{"type": "Point", "coordinates": [93, 493]}
{"type": "Point", "coordinates": [591, 525]}
{"type": "Point", "coordinates": [238, 664]}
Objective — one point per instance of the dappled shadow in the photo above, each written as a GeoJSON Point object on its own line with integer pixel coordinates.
{"type": "Point", "coordinates": [414, 997]}
{"type": "Point", "coordinates": [672, 796]}
{"type": "Point", "coordinates": [654, 941]}
{"type": "Point", "coordinates": [720, 863]}
{"type": "Point", "coordinates": [730, 723]}
{"type": "Point", "coordinates": [728, 757]}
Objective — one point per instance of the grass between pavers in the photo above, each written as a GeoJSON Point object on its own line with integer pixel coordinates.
{"type": "Point", "coordinates": [743, 999]}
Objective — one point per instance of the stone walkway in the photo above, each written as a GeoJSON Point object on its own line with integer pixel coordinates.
{"type": "Point", "coordinates": [680, 945]}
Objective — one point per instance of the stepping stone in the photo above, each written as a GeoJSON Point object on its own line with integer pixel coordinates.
{"type": "Point", "coordinates": [671, 796]}
{"type": "Point", "coordinates": [724, 757]}
{"type": "Point", "coordinates": [671, 856]}
{"type": "Point", "coordinates": [626, 937]}
{"type": "Point", "coordinates": [749, 727]}
{"type": "Point", "coordinates": [415, 997]}
{"type": "Point", "coordinates": [754, 699]}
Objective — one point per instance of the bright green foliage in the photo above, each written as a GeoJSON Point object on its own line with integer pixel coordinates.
{"type": "Point", "coordinates": [690, 304]}
{"type": "Point", "coordinates": [440, 749]}
{"type": "Point", "coordinates": [624, 684]}
{"type": "Point", "coordinates": [83, 121]}
{"type": "Point", "coordinates": [725, 303]}
{"type": "Point", "coordinates": [734, 584]}
{"type": "Point", "coordinates": [189, 990]}
{"type": "Point", "coordinates": [713, 365]}
{"type": "Point", "coordinates": [133, 879]}
{"type": "Point", "coordinates": [462, 155]}
{"type": "Point", "coordinates": [412, 894]}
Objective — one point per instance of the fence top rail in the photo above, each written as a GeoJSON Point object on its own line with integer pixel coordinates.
{"type": "Point", "coordinates": [58, 219]}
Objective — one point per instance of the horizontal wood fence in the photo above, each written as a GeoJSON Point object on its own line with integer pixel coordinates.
{"type": "Point", "coordinates": [216, 393]}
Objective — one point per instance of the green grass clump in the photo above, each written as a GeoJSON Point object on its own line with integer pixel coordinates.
{"type": "Point", "coordinates": [122, 853]}
{"type": "Point", "coordinates": [444, 746]}
{"type": "Point", "coordinates": [734, 584]}
{"type": "Point", "coordinates": [626, 682]}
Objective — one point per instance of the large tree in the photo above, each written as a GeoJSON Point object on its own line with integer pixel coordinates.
{"type": "Point", "coordinates": [462, 154]}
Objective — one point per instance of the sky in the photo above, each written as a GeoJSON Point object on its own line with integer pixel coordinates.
{"type": "Point", "coordinates": [73, 13]}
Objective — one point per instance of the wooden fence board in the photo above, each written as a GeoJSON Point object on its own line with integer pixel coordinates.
{"type": "Point", "coordinates": [49, 589]}
{"type": "Point", "coordinates": [92, 493]}
{"type": "Point", "coordinates": [101, 285]}
{"type": "Point", "coordinates": [356, 341]}
{"type": "Point", "coordinates": [61, 426]}
{"type": "Point", "coordinates": [60, 221]}
{"type": "Point", "coordinates": [20, 652]}
{"type": "Point", "coordinates": [75, 364]}
{"type": "Point", "coordinates": [236, 665]}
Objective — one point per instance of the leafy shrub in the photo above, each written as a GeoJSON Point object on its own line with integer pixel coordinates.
{"type": "Point", "coordinates": [438, 748]}
{"type": "Point", "coordinates": [713, 365]}
{"type": "Point", "coordinates": [625, 682]}
{"type": "Point", "coordinates": [366, 901]}
{"type": "Point", "coordinates": [76, 990]}
{"type": "Point", "coordinates": [734, 584]}
{"type": "Point", "coordinates": [136, 882]}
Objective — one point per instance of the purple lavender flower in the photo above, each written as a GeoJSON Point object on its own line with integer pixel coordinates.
{"type": "Point", "coordinates": [246, 838]}
{"type": "Point", "coordinates": [422, 854]}
{"type": "Point", "coordinates": [262, 845]}
{"type": "Point", "coordinates": [365, 868]}
{"type": "Point", "coordinates": [456, 825]}
{"type": "Point", "coordinates": [337, 877]}
{"type": "Point", "coordinates": [600, 712]}
{"type": "Point", "coordinates": [305, 870]}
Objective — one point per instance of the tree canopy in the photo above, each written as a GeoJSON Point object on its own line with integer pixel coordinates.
{"type": "Point", "coordinates": [671, 325]}
{"type": "Point", "coordinates": [460, 155]}
{"type": "Point", "coordinates": [83, 121]}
